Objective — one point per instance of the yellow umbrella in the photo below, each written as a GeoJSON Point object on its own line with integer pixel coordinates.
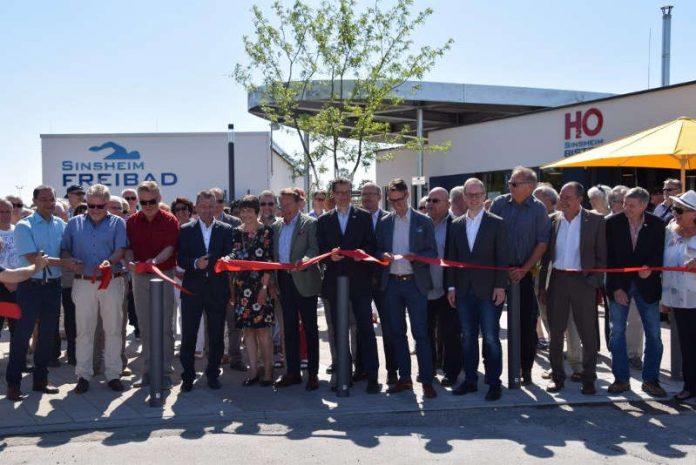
{"type": "Point", "coordinates": [671, 145]}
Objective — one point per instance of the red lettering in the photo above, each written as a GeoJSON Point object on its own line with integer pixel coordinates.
{"type": "Point", "coordinates": [577, 124]}
{"type": "Point", "coordinates": [598, 122]}
{"type": "Point", "coordinates": [590, 123]}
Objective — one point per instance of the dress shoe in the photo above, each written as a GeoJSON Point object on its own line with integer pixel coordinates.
{"type": "Point", "coordinates": [214, 383]}
{"type": "Point", "coordinates": [546, 374]}
{"type": "Point", "coordinates": [684, 395]}
{"type": "Point", "coordinates": [526, 378]}
{"type": "Point", "coordinates": [287, 380]}
{"type": "Point", "coordinates": [554, 386]}
{"type": "Point", "coordinates": [392, 379]}
{"type": "Point", "coordinates": [429, 391]}
{"type": "Point", "coordinates": [14, 394]}
{"type": "Point", "coordinates": [359, 376]}
{"type": "Point", "coordinates": [464, 388]}
{"type": "Point", "coordinates": [115, 385]}
{"type": "Point", "coordinates": [126, 372]}
{"type": "Point", "coordinates": [404, 384]}
{"type": "Point", "coordinates": [44, 387]}
{"type": "Point", "coordinates": [186, 386]}
{"type": "Point", "coordinates": [239, 366]}
{"type": "Point", "coordinates": [330, 369]}
{"type": "Point", "coordinates": [251, 381]}
{"type": "Point", "coordinates": [576, 377]}
{"type": "Point", "coordinates": [494, 393]}
{"type": "Point", "coordinates": [312, 383]}
{"type": "Point", "coordinates": [446, 382]}
{"type": "Point", "coordinates": [617, 387]}
{"type": "Point", "coordinates": [588, 388]}
{"type": "Point", "coordinates": [373, 387]}
{"type": "Point", "coordinates": [82, 386]}
{"type": "Point", "coordinates": [653, 388]}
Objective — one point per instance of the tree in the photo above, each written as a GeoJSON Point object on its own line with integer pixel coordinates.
{"type": "Point", "coordinates": [353, 60]}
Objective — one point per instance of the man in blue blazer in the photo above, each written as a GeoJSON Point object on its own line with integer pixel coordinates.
{"type": "Point", "coordinates": [200, 244]}
{"type": "Point", "coordinates": [406, 284]}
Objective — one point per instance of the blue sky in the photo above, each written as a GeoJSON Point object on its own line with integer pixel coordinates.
{"type": "Point", "coordinates": [72, 66]}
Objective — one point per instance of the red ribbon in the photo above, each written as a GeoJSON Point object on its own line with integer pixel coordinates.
{"type": "Point", "coordinates": [10, 310]}
{"type": "Point", "coordinates": [142, 267]}
{"type": "Point", "coordinates": [106, 274]}
{"type": "Point", "coordinates": [248, 265]}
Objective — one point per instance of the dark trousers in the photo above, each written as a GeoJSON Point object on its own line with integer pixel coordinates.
{"type": "Point", "coordinates": [571, 291]}
{"type": "Point", "coordinates": [68, 323]}
{"type": "Point", "coordinates": [444, 331]}
{"type": "Point", "coordinates": [192, 307]}
{"type": "Point", "coordinates": [38, 302]}
{"type": "Point", "coordinates": [389, 358]}
{"type": "Point", "coordinates": [367, 343]}
{"type": "Point", "coordinates": [686, 327]}
{"type": "Point", "coordinates": [529, 312]}
{"type": "Point", "coordinates": [294, 304]}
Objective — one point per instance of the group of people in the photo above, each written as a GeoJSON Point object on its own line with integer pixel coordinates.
{"type": "Point", "coordinates": [545, 241]}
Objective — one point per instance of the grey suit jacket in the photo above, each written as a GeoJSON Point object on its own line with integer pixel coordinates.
{"type": "Point", "coordinates": [490, 249]}
{"type": "Point", "coordinates": [421, 242]}
{"type": "Point", "coordinates": [231, 220]}
{"type": "Point", "coordinates": [302, 245]}
{"type": "Point", "coordinates": [593, 246]}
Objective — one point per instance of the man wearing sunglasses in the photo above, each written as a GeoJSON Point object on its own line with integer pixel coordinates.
{"type": "Point", "coordinates": [671, 188]}
{"type": "Point", "coordinates": [97, 239]}
{"type": "Point", "coordinates": [75, 195]}
{"type": "Point", "coordinates": [219, 210]}
{"type": "Point", "coordinates": [152, 236]}
{"type": "Point", "coordinates": [131, 196]}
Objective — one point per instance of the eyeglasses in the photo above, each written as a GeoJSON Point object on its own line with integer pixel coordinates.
{"type": "Point", "coordinates": [267, 204]}
{"type": "Point", "coordinates": [131, 198]}
{"type": "Point", "coordinates": [18, 205]}
{"type": "Point", "coordinates": [145, 203]}
{"type": "Point", "coordinates": [518, 183]}
{"type": "Point", "coordinates": [100, 206]}
{"type": "Point", "coordinates": [181, 209]}
{"type": "Point", "coordinates": [432, 201]}
{"type": "Point", "coordinates": [681, 211]}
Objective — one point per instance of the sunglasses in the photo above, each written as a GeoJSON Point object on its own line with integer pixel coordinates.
{"type": "Point", "coordinates": [18, 205]}
{"type": "Point", "coordinates": [432, 201]}
{"type": "Point", "coordinates": [145, 203]}
{"type": "Point", "coordinates": [267, 204]}
{"type": "Point", "coordinates": [100, 206]}
{"type": "Point", "coordinates": [181, 209]}
{"type": "Point", "coordinates": [518, 184]}
{"type": "Point", "coordinates": [130, 198]}
{"type": "Point", "coordinates": [681, 211]}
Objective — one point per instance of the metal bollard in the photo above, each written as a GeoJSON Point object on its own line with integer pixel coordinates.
{"type": "Point", "coordinates": [513, 337]}
{"type": "Point", "coordinates": [156, 341]}
{"type": "Point", "coordinates": [675, 349]}
{"type": "Point", "coordinates": [342, 347]}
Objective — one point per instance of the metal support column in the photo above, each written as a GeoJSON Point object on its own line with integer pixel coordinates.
{"type": "Point", "coordinates": [419, 134]}
{"type": "Point", "coordinates": [513, 337]}
{"type": "Point", "coordinates": [156, 341]}
{"type": "Point", "coordinates": [342, 347]}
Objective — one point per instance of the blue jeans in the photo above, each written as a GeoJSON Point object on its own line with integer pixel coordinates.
{"type": "Point", "coordinates": [475, 313]}
{"type": "Point", "coordinates": [650, 316]}
{"type": "Point", "coordinates": [398, 296]}
{"type": "Point", "coordinates": [38, 302]}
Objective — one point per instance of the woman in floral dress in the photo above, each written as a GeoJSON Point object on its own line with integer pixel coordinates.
{"type": "Point", "coordinates": [253, 306]}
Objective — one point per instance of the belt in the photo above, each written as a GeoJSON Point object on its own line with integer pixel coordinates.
{"type": "Point", "coordinates": [401, 277]}
{"type": "Point", "coordinates": [117, 274]}
{"type": "Point", "coordinates": [571, 272]}
{"type": "Point", "coordinates": [43, 281]}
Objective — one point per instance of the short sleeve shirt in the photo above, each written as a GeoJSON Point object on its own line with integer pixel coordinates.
{"type": "Point", "coordinates": [526, 225]}
{"type": "Point", "coordinates": [148, 238]}
{"type": "Point", "coordinates": [92, 243]}
{"type": "Point", "coordinates": [34, 234]}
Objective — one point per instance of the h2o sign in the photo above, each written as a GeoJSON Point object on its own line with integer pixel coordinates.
{"type": "Point", "coordinates": [588, 123]}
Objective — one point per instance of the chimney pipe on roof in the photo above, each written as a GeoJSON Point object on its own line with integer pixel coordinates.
{"type": "Point", "coordinates": [666, 39]}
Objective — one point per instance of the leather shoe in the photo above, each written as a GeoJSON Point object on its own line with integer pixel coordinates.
{"type": "Point", "coordinates": [44, 387]}
{"type": "Point", "coordinates": [404, 384]}
{"type": "Point", "coordinates": [287, 380]}
{"type": "Point", "coordinates": [554, 386]}
{"type": "Point", "coordinates": [373, 387]}
{"type": "Point", "coordinates": [494, 393]}
{"type": "Point", "coordinates": [653, 388]}
{"type": "Point", "coordinates": [186, 386]}
{"type": "Point", "coordinates": [312, 383]}
{"type": "Point", "coordinates": [115, 385]}
{"type": "Point", "coordinates": [617, 387]}
{"type": "Point", "coordinates": [684, 395]}
{"type": "Point", "coordinates": [546, 374]}
{"type": "Point", "coordinates": [429, 391]}
{"type": "Point", "coordinates": [82, 386]}
{"type": "Point", "coordinates": [14, 394]}
{"type": "Point", "coordinates": [588, 388]}
{"type": "Point", "coordinates": [526, 378]}
{"type": "Point", "coordinates": [464, 388]}
{"type": "Point", "coordinates": [214, 383]}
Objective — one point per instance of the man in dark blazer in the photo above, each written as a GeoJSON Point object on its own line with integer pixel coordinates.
{"type": "Point", "coordinates": [200, 244]}
{"type": "Point", "coordinates": [635, 238]}
{"type": "Point", "coordinates": [478, 237]}
{"type": "Point", "coordinates": [578, 242]}
{"type": "Point", "coordinates": [406, 283]}
{"type": "Point", "coordinates": [350, 228]}
{"type": "Point", "coordinates": [295, 240]}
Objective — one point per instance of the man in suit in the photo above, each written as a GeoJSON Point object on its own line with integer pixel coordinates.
{"type": "Point", "coordinates": [295, 240]}
{"type": "Point", "coordinates": [200, 244]}
{"type": "Point", "coordinates": [406, 284]}
{"type": "Point", "coordinates": [578, 242]}
{"type": "Point", "coordinates": [443, 324]}
{"type": "Point", "coordinates": [350, 228]}
{"type": "Point", "coordinates": [635, 238]}
{"type": "Point", "coordinates": [478, 237]}
{"type": "Point", "coordinates": [371, 196]}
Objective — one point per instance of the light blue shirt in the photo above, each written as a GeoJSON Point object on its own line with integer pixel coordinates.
{"type": "Point", "coordinates": [343, 219]}
{"type": "Point", "coordinates": [33, 234]}
{"type": "Point", "coordinates": [285, 239]}
{"type": "Point", "coordinates": [93, 243]}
